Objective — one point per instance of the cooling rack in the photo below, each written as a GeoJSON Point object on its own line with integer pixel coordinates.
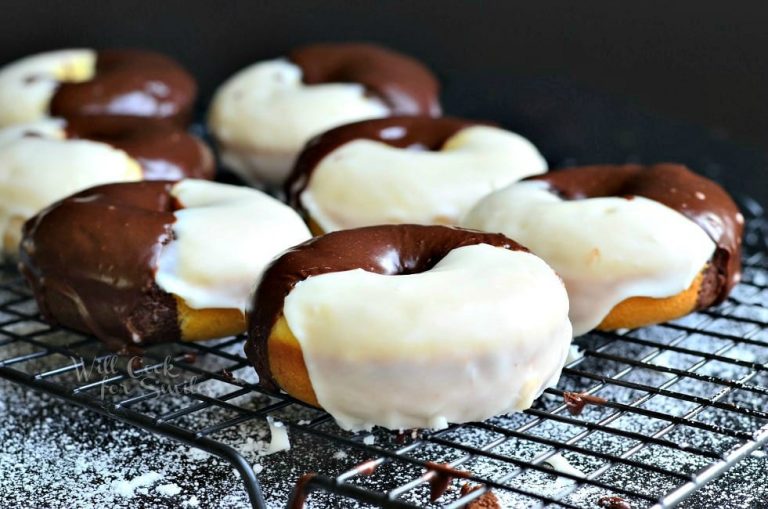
{"type": "Point", "coordinates": [684, 402]}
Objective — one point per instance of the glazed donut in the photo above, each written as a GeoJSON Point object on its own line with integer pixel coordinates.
{"type": "Point", "coordinates": [147, 262]}
{"type": "Point", "coordinates": [264, 114]}
{"type": "Point", "coordinates": [467, 315]}
{"type": "Point", "coordinates": [115, 90]}
{"type": "Point", "coordinates": [47, 160]}
{"type": "Point", "coordinates": [635, 245]}
{"type": "Point", "coordinates": [401, 170]}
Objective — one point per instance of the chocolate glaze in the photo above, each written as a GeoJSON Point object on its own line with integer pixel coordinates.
{"type": "Point", "coordinates": [389, 249]}
{"type": "Point", "coordinates": [576, 401]}
{"type": "Point", "coordinates": [405, 85]}
{"type": "Point", "coordinates": [613, 503]}
{"type": "Point", "coordinates": [698, 198]}
{"type": "Point", "coordinates": [129, 89]}
{"type": "Point", "coordinates": [417, 133]}
{"type": "Point", "coordinates": [165, 152]}
{"type": "Point", "coordinates": [91, 258]}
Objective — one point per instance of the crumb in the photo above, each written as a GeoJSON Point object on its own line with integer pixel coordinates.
{"type": "Point", "coordinates": [168, 490]}
{"type": "Point", "coordinates": [127, 488]}
{"type": "Point", "coordinates": [192, 501]}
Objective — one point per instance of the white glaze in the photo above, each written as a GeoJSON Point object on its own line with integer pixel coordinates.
{"type": "Point", "coordinates": [27, 85]}
{"type": "Point", "coordinates": [484, 332]}
{"type": "Point", "coordinates": [51, 128]}
{"type": "Point", "coordinates": [562, 465]}
{"type": "Point", "coordinates": [224, 237]}
{"type": "Point", "coordinates": [364, 182]}
{"type": "Point", "coordinates": [37, 171]}
{"type": "Point", "coordinates": [278, 438]}
{"type": "Point", "coordinates": [605, 249]}
{"type": "Point", "coordinates": [264, 114]}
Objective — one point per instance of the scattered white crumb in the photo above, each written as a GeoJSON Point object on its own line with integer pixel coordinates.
{"type": "Point", "coordinates": [759, 454]}
{"type": "Point", "coordinates": [339, 455]}
{"type": "Point", "coordinates": [126, 488]}
{"type": "Point", "coordinates": [168, 490]}
{"type": "Point", "coordinates": [257, 468]}
{"type": "Point", "coordinates": [191, 502]}
{"type": "Point", "coordinates": [369, 440]}
{"type": "Point", "coordinates": [252, 445]}
{"type": "Point", "coordinates": [196, 454]}
{"type": "Point", "coordinates": [279, 437]}
{"type": "Point", "coordinates": [304, 422]}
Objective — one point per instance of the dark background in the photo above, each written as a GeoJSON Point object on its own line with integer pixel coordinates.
{"type": "Point", "coordinates": [587, 80]}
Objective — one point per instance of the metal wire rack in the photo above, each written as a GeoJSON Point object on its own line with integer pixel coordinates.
{"type": "Point", "coordinates": [686, 401]}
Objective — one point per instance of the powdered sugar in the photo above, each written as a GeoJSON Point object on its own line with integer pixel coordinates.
{"type": "Point", "coordinates": [168, 490]}
{"type": "Point", "coordinates": [126, 488]}
{"type": "Point", "coordinates": [57, 455]}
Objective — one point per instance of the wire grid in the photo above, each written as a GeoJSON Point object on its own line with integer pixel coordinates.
{"type": "Point", "coordinates": [686, 401]}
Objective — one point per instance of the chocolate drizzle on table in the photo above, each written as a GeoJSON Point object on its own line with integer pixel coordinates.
{"type": "Point", "coordinates": [301, 491]}
{"type": "Point", "coordinates": [165, 152]}
{"type": "Point", "coordinates": [487, 500]}
{"type": "Point", "coordinates": [699, 199]}
{"type": "Point", "coordinates": [613, 503]}
{"type": "Point", "coordinates": [405, 85]}
{"type": "Point", "coordinates": [389, 250]}
{"type": "Point", "coordinates": [415, 133]}
{"type": "Point", "coordinates": [576, 401]}
{"type": "Point", "coordinates": [367, 467]}
{"type": "Point", "coordinates": [440, 477]}
{"type": "Point", "coordinates": [90, 260]}
{"type": "Point", "coordinates": [129, 89]}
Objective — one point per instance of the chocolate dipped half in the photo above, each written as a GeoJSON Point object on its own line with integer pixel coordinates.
{"type": "Point", "coordinates": [44, 161]}
{"type": "Point", "coordinates": [389, 250]}
{"type": "Point", "coordinates": [372, 323]}
{"type": "Point", "coordinates": [635, 245]}
{"type": "Point", "coordinates": [413, 133]}
{"type": "Point", "coordinates": [91, 259]}
{"type": "Point", "coordinates": [405, 85]}
{"type": "Point", "coordinates": [264, 114]}
{"type": "Point", "coordinates": [128, 89]}
{"type": "Point", "coordinates": [401, 170]}
{"type": "Point", "coordinates": [154, 261]}
{"type": "Point", "coordinates": [698, 198]}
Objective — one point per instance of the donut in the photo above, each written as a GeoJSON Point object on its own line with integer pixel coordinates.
{"type": "Point", "coordinates": [115, 90]}
{"type": "Point", "coordinates": [401, 170]}
{"type": "Point", "coordinates": [467, 314]}
{"type": "Point", "coordinates": [44, 161]}
{"type": "Point", "coordinates": [153, 261]}
{"type": "Point", "coordinates": [636, 245]}
{"type": "Point", "coordinates": [264, 114]}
